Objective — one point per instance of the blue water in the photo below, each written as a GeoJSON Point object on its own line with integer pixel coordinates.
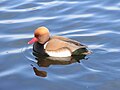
{"type": "Point", "coordinates": [94, 23]}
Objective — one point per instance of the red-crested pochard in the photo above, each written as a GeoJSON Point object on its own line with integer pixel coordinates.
{"type": "Point", "coordinates": [58, 46]}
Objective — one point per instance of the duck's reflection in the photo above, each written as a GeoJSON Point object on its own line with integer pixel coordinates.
{"type": "Point", "coordinates": [45, 61]}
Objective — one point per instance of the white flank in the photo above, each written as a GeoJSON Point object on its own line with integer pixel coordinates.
{"type": "Point", "coordinates": [59, 53]}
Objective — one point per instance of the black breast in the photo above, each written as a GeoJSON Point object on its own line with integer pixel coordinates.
{"type": "Point", "coordinates": [39, 48]}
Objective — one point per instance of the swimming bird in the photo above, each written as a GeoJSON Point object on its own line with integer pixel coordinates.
{"type": "Point", "coordinates": [57, 46]}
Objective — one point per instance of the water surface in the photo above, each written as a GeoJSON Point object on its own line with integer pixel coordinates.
{"type": "Point", "coordinates": [94, 23]}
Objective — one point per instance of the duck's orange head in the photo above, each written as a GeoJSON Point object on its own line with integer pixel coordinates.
{"type": "Point", "coordinates": [41, 35]}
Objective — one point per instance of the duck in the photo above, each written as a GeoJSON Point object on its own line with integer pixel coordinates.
{"type": "Point", "coordinates": [57, 46]}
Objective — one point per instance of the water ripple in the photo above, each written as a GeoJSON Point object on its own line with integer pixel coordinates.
{"type": "Point", "coordinates": [25, 20]}
{"type": "Point", "coordinates": [5, 4]}
{"type": "Point", "coordinates": [42, 5]}
{"type": "Point", "coordinates": [12, 71]}
{"type": "Point", "coordinates": [71, 31]}
{"type": "Point", "coordinates": [10, 52]}
{"type": "Point", "coordinates": [31, 19]}
{"type": "Point", "coordinates": [15, 36]}
{"type": "Point", "coordinates": [96, 33]}
{"type": "Point", "coordinates": [91, 69]}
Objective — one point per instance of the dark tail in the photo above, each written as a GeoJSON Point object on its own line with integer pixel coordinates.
{"type": "Point", "coordinates": [81, 51]}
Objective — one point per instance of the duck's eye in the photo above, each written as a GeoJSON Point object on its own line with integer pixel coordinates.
{"type": "Point", "coordinates": [36, 36]}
